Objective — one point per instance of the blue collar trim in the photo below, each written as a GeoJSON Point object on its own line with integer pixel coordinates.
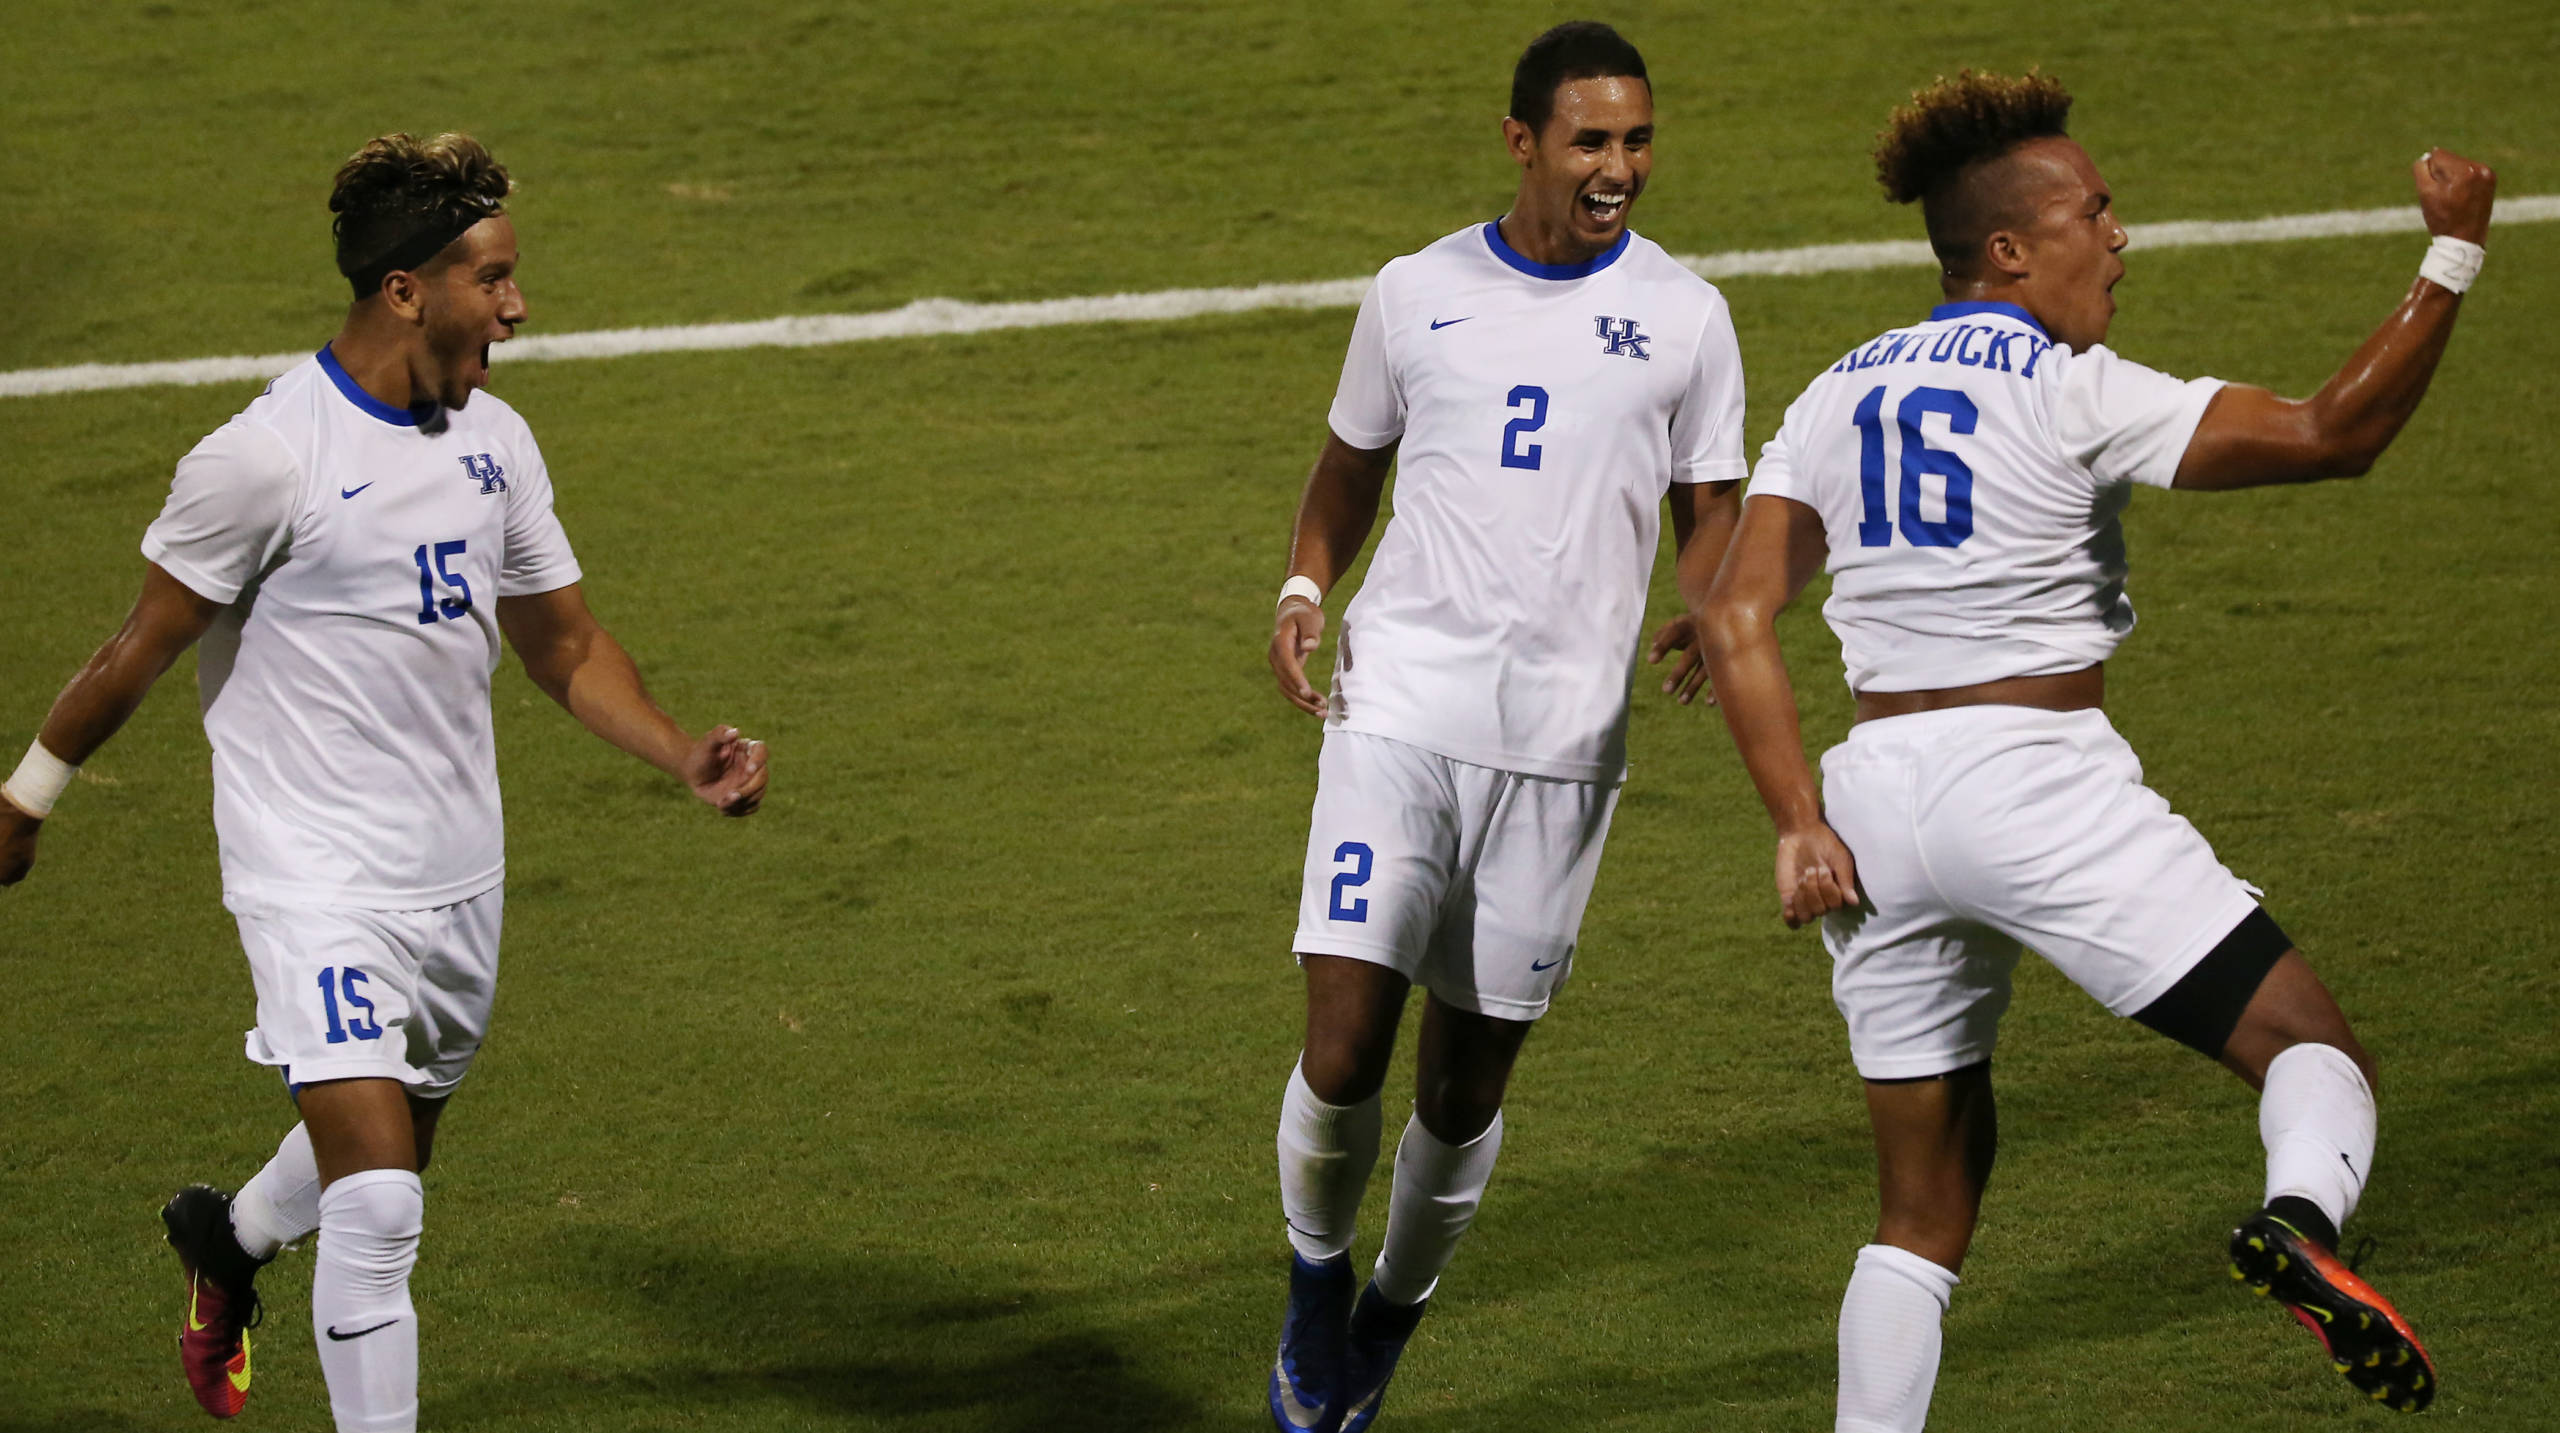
{"type": "Point", "coordinates": [355, 393]}
{"type": "Point", "coordinates": [1968, 310]}
{"type": "Point", "coordinates": [1493, 240]}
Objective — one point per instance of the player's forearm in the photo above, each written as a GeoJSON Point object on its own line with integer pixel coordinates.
{"type": "Point", "coordinates": [602, 688]}
{"type": "Point", "coordinates": [1337, 511]}
{"type": "Point", "coordinates": [2370, 399]}
{"type": "Point", "coordinates": [1703, 541]}
{"type": "Point", "coordinates": [1759, 704]}
{"type": "Point", "coordinates": [110, 688]}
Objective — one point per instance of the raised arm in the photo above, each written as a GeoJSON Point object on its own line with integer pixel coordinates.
{"type": "Point", "coordinates": [2251, 437]}
{"type": "Point", "coordinates": [167, 618]}
{"type": "Point", "coordinates": [1777, 550]}
{"type": "Point", "coordinates": [578, 664]}
{"type": "Point", "coordinates": [1335, 514]}
{"type": "Point", "coordinates": [1703, 516]}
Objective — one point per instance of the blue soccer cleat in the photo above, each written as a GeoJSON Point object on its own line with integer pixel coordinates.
{"type": "Point", "coordinates": [1307, 1375]}
{"type": "Point", "coordinates": [1380, 1328]}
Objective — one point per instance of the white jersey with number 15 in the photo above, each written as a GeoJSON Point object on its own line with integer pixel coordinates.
{"type": "Point", "coordinates": [1543, 412]}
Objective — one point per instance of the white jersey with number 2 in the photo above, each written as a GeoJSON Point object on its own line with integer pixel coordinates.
{"type": "Point", "coordinates": [1543, 411]}
{"type": "Point", "coordinates": [1970, 472]}
{"type": "Point", "coordinates": [346, 682]}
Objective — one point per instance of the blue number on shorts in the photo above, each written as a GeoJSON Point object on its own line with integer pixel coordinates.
{"type": "Point", "coordinates": [335, 980]}
{"type": "Point", "coordinates": [1359, 856]}
{"type": "Point", "coordinates": [430, 606]}
{"type": "Point", "coordinates": [1514, 453]}
{"type": "Point", "coordinates": [1918, 459]}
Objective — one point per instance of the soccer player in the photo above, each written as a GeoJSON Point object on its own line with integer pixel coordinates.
{"type": "Point", "coordinates": [349, 549]}
{"type": "Point", "coordinates": [1962, 478]}
{"type": "Point", "coordinates": [1549, 379]}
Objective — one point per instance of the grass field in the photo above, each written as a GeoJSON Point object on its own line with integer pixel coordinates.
{"type": "Point", "coordinates": [939, 1096]}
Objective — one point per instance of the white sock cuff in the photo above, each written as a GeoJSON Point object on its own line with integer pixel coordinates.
{"type": "Point", "coordinates": [2309, 1061]}
{"type": "Point", "coordinates": [1313, 1115]}
{"type": "Point", "coordinates": [1936, 1279]}
{"type": "Point", "coordinates": [1435, 1148]}
{"type": "Point", "coordinates": [383, 1203]}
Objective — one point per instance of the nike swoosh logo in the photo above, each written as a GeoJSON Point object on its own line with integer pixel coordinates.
{"type": "Point", "coordinates": [351, 492]}
{"type": "Point", "coordinates": [240, 1376]}
{"type": "Point", "coordinates": [337, 1337]}
{"type": "Point", "coordinates": [194, 1292]}
{"type": "Point", "coordinates": [1550, 965]}
{"type": "Point", "coordinates": [1298, 1414]}
{"type": "Point", "coordinates": [1438, 324]}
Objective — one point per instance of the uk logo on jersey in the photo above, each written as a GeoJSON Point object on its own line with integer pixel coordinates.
{"type": "Point", "coordinates": [492, 478]}
{"type": "Point", "coordinates": [1623, 337]}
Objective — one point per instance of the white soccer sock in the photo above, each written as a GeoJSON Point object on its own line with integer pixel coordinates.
{"type": "Point", "coordinates": [1326, 1153]}
{"type": "Point", "coordinates": [281, 1202]}
{"type": "Point", "coordinates": [361, 1318]}
{"type": "Point", "coordinates": [1889, 1340]}
{"type": "Point", "coordinates": [2316, 1119]}
{"type": "Point", "coordinates": [1437, 1189]}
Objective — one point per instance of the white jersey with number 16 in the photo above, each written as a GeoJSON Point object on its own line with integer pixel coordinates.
{"type": "Point", "coordinates": [1970, 473]}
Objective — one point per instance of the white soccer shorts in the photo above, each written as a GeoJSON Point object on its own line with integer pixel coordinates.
{"type": "Point", "coordinates": [1978, 830]}
{"type": "Point", "coordinates": [1466, 880]}
{"type": "Point", "coordinates": [353, 994]}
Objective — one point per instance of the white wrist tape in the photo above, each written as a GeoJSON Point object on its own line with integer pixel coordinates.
{"type": "Point", "coordinates": [39, 781]}
{"type": "Point", "coordinates": [2452, 262]}
{"type": "Point", "coordinates": [1302, 587]}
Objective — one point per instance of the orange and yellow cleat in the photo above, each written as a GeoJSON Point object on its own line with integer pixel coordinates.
{"type": "Point", "coordinates": [222, 1298]}
{"type": "Point", "coordinates": [2364, 1336]}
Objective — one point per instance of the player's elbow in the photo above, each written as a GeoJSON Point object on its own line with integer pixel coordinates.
{"type": "Point", "coordinates": [1730, 622]}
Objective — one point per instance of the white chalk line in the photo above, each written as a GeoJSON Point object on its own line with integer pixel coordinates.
{"type": "Point", "coordinates": [931, 317]}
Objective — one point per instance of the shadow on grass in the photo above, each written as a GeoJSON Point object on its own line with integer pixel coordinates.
{"type": "Point", "coordinates": [825, 1339]}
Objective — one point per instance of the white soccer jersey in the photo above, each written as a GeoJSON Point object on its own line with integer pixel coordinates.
{"type": "Point", "coordinates": [1969, 473]}
{"type": "Point", "coordinates": [1544, 410]}
{"type": "Point", "coordinates": [346, 683]}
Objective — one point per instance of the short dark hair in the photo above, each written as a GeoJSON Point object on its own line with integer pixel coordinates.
{"type": "Point", "coordinates": [1936, 149]}
{"type": "Point", "coordinates": [400, 200]}
{"type": "Point", "coordinates": [1574, 50]}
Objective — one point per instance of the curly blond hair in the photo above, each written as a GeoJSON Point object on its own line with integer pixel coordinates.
{"type": "Point", "coordinates": [1937, 147]}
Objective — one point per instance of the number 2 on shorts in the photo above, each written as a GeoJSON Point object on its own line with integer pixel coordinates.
{"type": "Point", "coordinates": [1359, 856]}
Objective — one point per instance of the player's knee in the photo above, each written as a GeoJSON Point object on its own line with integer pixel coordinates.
{"type": "Point", "coordinates": [1343, 1071]}
{"type": "Point", "coordinates": [1457, 1111]}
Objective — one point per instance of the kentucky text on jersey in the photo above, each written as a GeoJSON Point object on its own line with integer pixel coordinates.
{"type": "Point", "coordinates": [1969, 345]}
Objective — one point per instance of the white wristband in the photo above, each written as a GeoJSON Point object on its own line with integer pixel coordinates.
{"type": "Point", "coordinates": [39, 781]}
{"type": "Point", "coordinates": [1302, 587]}
{"type": "Point", "coordinates": [2452, 263]}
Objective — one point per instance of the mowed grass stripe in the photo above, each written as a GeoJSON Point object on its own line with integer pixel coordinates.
{"type": "Point", "coordinates": [926, 318]}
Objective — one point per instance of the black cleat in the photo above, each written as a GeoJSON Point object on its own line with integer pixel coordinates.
{"type": "Point", "coordinates": [2364, 1336]}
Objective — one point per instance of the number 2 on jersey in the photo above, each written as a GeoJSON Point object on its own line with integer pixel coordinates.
{"type": "Point", "coordinates": [430, 606]}
{"type": "Point", "coordinates": [1918, 460]}
{"type": "Point", "coordinates": [1514, 453]}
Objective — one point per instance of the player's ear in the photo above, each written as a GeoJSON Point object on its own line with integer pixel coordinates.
{"type": "Point", "coordinates": [2005, 255]}
{"type": "Point", "coordinates": [1519, 139]}
{"type": "Point", "coordinates": [404, 294]}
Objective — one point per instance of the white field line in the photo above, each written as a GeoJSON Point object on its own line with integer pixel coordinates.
{"type": "Point", "coordinates": [928, 317]}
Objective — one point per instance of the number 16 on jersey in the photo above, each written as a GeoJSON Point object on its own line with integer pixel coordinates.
{"type": "Point", "coordinates": [1919, 461]}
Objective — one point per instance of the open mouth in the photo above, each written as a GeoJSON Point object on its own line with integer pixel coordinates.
{"type": "Point", "coordinates": [1606, 207]}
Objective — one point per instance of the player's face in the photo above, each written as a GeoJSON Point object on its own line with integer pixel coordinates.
{"type": "Point", "coordinates": [1582, 173]}
{"type": "Point", "coordinates": [472, 304]}
{"type": "Point", "coordinates": [2073, 247]}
